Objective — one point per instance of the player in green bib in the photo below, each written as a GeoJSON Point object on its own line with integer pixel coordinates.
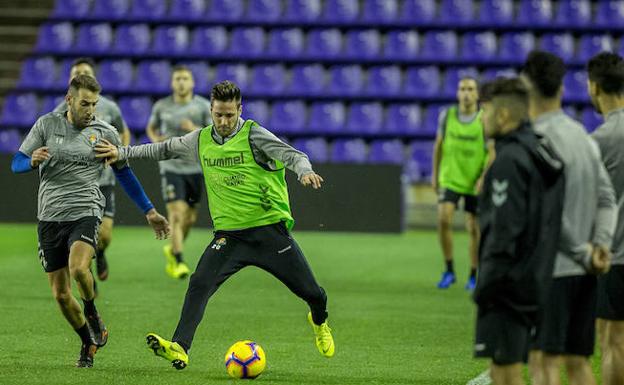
{"type": "Point", "coordinates": [459, 160]}
{"type": "Point", "coordinates": [243, 166]}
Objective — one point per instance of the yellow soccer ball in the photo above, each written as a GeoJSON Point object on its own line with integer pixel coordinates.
{"type": "Point", "coordinates": [245, 359]}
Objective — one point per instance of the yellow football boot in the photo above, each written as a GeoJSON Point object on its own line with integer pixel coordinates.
{"type": "Point", "coordinates": [172, 264]}
{"type": "Point", "coordinates": [324, 339]}
{"type": "Point", "coordinates": [170, 351]}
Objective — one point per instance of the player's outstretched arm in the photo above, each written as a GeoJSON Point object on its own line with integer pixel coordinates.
{"type": "Point", "coordinates": [184, 147]}
{"type": "Point", "coordinates": [312, 179]}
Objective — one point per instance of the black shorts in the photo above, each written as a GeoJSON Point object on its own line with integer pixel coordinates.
{"type": "Point", "coordinates": [502, 335]}
{"type": "Point", "coordinates": [470, 201]}
{"type": "Point", "coordinates": [567, 323]}
{"type": "Point", "coordinates": [109, 194]}
{"type": "Point", "coordinates": [182, 187]}
{"type": "Point", "coordinates": [611, 294]}
{"type": "Point", "coordinates": [55, 239]}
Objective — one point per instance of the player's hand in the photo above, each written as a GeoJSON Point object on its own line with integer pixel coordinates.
{"type": "Point", "coordinates": [313, 179]}
{"type": "Point", "coordinates": [39, 156]}
{"type": "Point", "coordinates": [107, 150]}
{"type": "Point", "coordinates": [479, 185]}
{"type": "Point", "coordinates": [601, 259]}
{"type": "Point", "coordinates": [158, 223]}
{"type": "Point", "coordinates": [187, 125]}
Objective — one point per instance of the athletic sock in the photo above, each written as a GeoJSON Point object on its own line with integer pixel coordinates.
{"type": "Point", "coordinates": [99, 253]}
{"type": "Point", "coordinates": [449, 266]}
{"type": "Point", "coordinates": [85, 335]}
{"type": "Point", "coordinates": [178, 257]}
{"type": "Point", "coordinates": [89, 307]}
{"type": "Point", "coordinates": [473, 272]}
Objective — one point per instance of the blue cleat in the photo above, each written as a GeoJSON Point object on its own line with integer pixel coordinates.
{"type": "Point", "coordinates": [470, 285]}
{"type": "Point", "coordinates": [448, 278]}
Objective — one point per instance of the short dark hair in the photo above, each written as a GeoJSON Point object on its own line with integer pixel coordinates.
{"type": "Point", "coordinates": [545, 71]}
{"type": "Point", "coordinates": [84, 60]}
{"type": "Point", "coordinates": [180, 68]}
{"type": "Point", "coordinates": [225, 91]}
{"type": "Point", "coordinates": [469, 77]}
{"type": "Point", "coordinates": [510, 92]}
{"type": "Point", "coordinates": [84, 82]}
{"type": "Point", "coordinates": [607, 70]}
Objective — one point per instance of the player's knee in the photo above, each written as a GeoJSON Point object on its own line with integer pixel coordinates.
{"type": "Point", "coordinates": [104, 239]}
{"type": "Point", "coordinates": [445, 222]}
{"type": "Point", "coordinates": [176, 217]}
{"type": "Point", "coordinates": [576, 365]}
{"type": "Point", "coordinates": [63, 297]}
{"type": "Point", "coordinates": [77, 271]}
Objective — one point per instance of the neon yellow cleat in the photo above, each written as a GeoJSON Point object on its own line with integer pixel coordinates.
{"type": "Point", "coordinates": [324, 339]}
{"type": "Point", "coordinates": [170, 267]}
{"type": "Point", "coordinates": [182, 270]}
{"type": "Point", "coordinates": [170, 351]}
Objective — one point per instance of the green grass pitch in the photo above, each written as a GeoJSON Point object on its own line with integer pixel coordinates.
{"type": "Point", "coordinates": [390, 324]}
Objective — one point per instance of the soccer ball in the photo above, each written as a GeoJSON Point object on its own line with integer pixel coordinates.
{"type": "Point", "coordinates": [245, 359]}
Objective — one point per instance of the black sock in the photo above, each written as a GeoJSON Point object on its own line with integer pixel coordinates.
{"type": "Point", "coordinates": [84, 334]}
{"type": "Point", "coordinates": [178, 257]}
{"type": "Point", "coordinates": [99, 253]}
{"type": "Point", "coordinates": [473, 272]}
{"type": "Point", "coordinates": [89, 307]}
{"type": "Point", "coordinates": [449, 266]}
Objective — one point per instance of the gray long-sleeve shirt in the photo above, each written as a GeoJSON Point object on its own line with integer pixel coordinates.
{"type": "Point", "coordinates": [265, 146]}
{"type": "Point", "coordinates": [589, 207]}
{"type": "Point", "coordinates": [610, 139]}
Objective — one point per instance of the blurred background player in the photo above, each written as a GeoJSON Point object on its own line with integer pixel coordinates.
{"type": "Point", "coordinates": [459, 159]}
{"type": "Point", "coordinates": [566, 331]}
{"type": "Point", "coordinates": [182, 180]}
{"type": "Point", "coordinates": [606, 89]}
{"type": "Point", "coordinates": [108, 111]}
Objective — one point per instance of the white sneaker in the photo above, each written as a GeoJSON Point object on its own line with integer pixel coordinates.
{"type": "Point", "coordinates": [481, 379]}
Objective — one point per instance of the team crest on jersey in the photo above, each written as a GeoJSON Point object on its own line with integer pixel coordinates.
{"type": "Point", "coordinates": [92, 139]}
{"type": "Point", "coordinates": [218, 243]}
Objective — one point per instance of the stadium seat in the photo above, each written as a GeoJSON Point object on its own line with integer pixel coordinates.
{"type": "Point", "coordinates": [341, 11]}
{"type": "Point", "coordinates": [456, 11]}
{"type": "Point", "coordinates": [63, 71]}
{"type": "Point", "coordinates": [365, 118]}
{"type": "Point", "coordinates": [422, 81]}
{"type": "Point", "coordinates": [515, 46]}
{"type": "Point", "coordinates": [226, 10]}
{"type": "Point", "coordinates": [380, 11]}
{"type": "Point", "coordinates": [573, 13]}
{"type": "Point", "coordinates": [110, 10]}
{"type": "Point", "coordinates": [148, 10]}
{"type": "Point", "coordinates": [10, 141]}
{"type": "Point", "coordinates": [384, 81]}
{"type": "Point", "coordinates": [288, 117]}
{"type": "Point", "coordinates": [571, 112]}
{"type": "Point", "coordinates": [208, 41]}
{"type": "Point", "coordinates": [55, 38]}
{"type": "Point", "coordinates": [185, 10]}
{"type": "Point", "coordinates": [575, 85]}
{"type": "Point", "coordinates": [401, 45]}
{"type": "Point", "coordinates": [71, 9]}
{"type": "Point", "coordinates": [493, 73]}
{"type": "Point", "coordinates": [247, 42]}
{"type": "Point", "coordinates": [349, 151]}
{"type": "Point", "coordinates": [38, 73]}
{"type": "Point", "coordinates": [316, 149]}
{"type": "Point", "coordinates": [590, 45]}
{"type": "Point", "coordinates": [440, 45]}
{"type": "Point", "coordinates": [453, 75]}
{"type": "Point", "coordinates": [422, 153]}
{"type": "Point", "coordinates": [327, 117]}
{"type": "Point", "coordinates": [93, 39]}
{"type": "Point", "coordinates": [288, 42]}
{"type": "Point", "coordinates": [116, 75]}
{"type": "Point", "coordinates": [263, 10]}
{"type": "Point", "coordinates": [418, 11]}
{"type": "Point", "coordinates": [591, 119]}
{"type": "Point", "coordinates": [430, 121]}
{"type": "Point", "coordinates": [534, 12]}
{"type": "Point", "coordinates": [610, 13]}
{"type": "Point", "coordinates": [201, 72]}
{"type": "Point", "coordinates": [132, 39]}
{"type": "Point", "coordinates": [386, 152]}
{"type": "Point", "coordinates": [362, 44]}
{"type": "Point", "coordinates": [49, 103]}
{"type": "Point", "coordinates": [267, 79]}
{"type": "Point", "coordinates": [496, 12]}
{"type": "Point", "coordinates": [143, 139]}
{"type": "Point", "coordinates": [307, 79]}
{"type": "Point", "coordinates": [257, 110]}
{"type": "Point", "coordinates": [303, 10]}
{"type": "Point", "coordinates": [153, 76]}
{"type": "Point", "coordinates": [324, 43]}
{"type": "Point", "coordinates": [20, 110]}
{"type": "Point", "coordinates": [403, 119]}
{"type": "Point", "coordinates": [479, 46]}
{"type": "Point", "coordinates": [235, 72]}
{"type": "Point", "coordinates": [170, 40]}
{"type": "Point", "coordinates": [345, 80]}
{"type": "Point", "coordinates": [136, 112]}
{"type": "Point", "coordinates": [560, 44]}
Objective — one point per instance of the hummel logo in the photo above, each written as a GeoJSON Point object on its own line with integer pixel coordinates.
{"type": "Point", "coordinates": [87, 238]}
{"type": "Point", "coordinates": [284, 249]}
{"type": "Point", "coordinates": [499, 196]}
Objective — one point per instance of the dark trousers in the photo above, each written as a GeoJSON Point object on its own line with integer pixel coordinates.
{"type": "Point", "coordinates": [270, 248]}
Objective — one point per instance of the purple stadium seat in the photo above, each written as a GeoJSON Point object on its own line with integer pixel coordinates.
{"type": "Point", "coordinates": [422, 81]}
{"type": "Point", "coordinates": [324, 43]}
{"type": "Point", "coordinates": [316, 148]}
{"type": "Point", "coordinates": [380, 11]}
{"type": "Point", "coordinates": [148, 9]}
{"type": "Point", "coordinates": [257, 110]}
{"type": "Point", "coordinates": [267, 79]}
{"type": "Point", "coordinates": [303, 10]}
{"type": "Point", "coordinates": [71, 9]}
{"type": "Point", "coordinates": [456, 11]}
{"type": "Point", "coordinates": [515, 46]}
{"type": "Point", "coordinates": [441, 45]}
{"type": "Point", "coordinates": [132, 39]}
{"type": "Point", "coordinates": [401, 45]}
{"type": "Point", "coordinates": [589, 45]}
{"type": "Point", "coordinates": [226, 10]}
{"type": "Point", "coordinates": [496, 12]}
{"type": "Point", "coordinates": [421, 152]}
{"type": "Point", "coordinates": [288, 42]}
{"type": "Point", "coordinates": [346, 80]}
{"type": "Point", "coordinates": [288, 117]}
{"type": "Point", "coordinates": [200, 71]}
{"type": "Point", "coordinates": [116, 75]}
{"type": "Point", "coordinates": [20, 110]}
{"type": "Point", "coordinates": [571, 111]}
{"type": "Point", "coordinates": [185, 10]}
{"type": "Point", "coordinates": [341, 11]}
{"type": "Point", "coordinates": [208, 41]}
{"type": "Point", "coordinates": [153, 76]}
{"type": "Point", "coordinates": [573, 13]}
{"type": "Point", "coordinates": [403, 119]}
{"type": "Point", "coordinates": [349, 151]}
{"type": "Point", "coordinates": [55, 38]}
{"type": "Point", "coordinates": [143, 139]}
{"type": "Point", "coordinates": [418, 11]}
{"type": "Point", "coordinates": [575, 85]}
{"type": "Point", "coordinates": [493, 73]}
{"type": "Point", "coordinates": [386, 152]}
{"type": "Point", "coordinates": [610, 13]}
{"type": "Point", "coordinates": [560, 44]}
{"type": "Point", "coordinates": [534, 12]}
{"type": "Point", "coordinates": [49, 103]}
{"type": "Point", "coordinates": [170, 40]}
{"type": "Point", "coordinates": [365, 118]}
{"type": "Point", "coordinates": [234, 72]}
{"type": "Point", "coordinates": [430, 121]}
{"type": "Point", "coordinates": [10, 141]}
{"type": "Point", "coordinates": [327, 117]}
{"type": "Point", "coordinates": [93, 38]}
{"type": "Point", "coordinates": [63, 71]}
{"type": "Point", "coordinates": [247, 41]}
{"type": "Point", "coordinates": [479, 46]}
{"type": "Point", "coordinates": [363, 44]}
{"type": "Point", "coordinates": [110, 9]}
{"type": "Point", "coordinates": [136, 112]}
{"type": "Point", "coordinates": [307, 79]}
{"type": "Point", "coordinates": [384, 81]}
{"type": "Point", "coordinates": [591, 119]}
{"type": "Point", "coordinates": [453, 75]}
{"type": "Point", "coordinates": [264, 10]}
{"type": "Point", "coordinates": [38, 73]}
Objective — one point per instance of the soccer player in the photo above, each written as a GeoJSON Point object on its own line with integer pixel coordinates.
{"type": "Point", "coordinates": [70, 204]}
{"type": "Point", "coordinates": [606, 89]}
{"type": "Point", "coordinates": [182, 180]}
{"type": "Point", "coordinates": [459, 158]}
{"type": "Point", "coordinates": [566, 331]}
{"type": "Point", "coordinates": [243, 166]}
{"type": "Point", "coordinates": [108, 111]}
